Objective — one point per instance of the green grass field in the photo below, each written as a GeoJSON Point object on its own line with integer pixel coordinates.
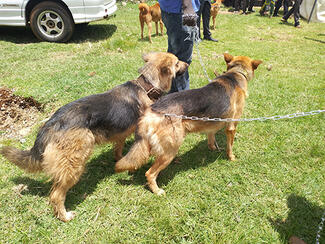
{"type": "Point", "coordinates": [275, 188]}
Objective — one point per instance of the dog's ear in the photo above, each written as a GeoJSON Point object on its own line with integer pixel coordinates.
{"type": "Point", "coordinates": [228, 57]}
{"type": "Point", "coordinates": [256, 63]}
{"type": "Point", "coordinates": [165, 70]}
{"type": "Point", "coordinates": [151, 73]}
{"type": "Point", "coordinates": [148, 56]}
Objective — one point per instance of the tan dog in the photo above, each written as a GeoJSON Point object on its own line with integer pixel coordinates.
{"type": "Point", "coordinates": [215, 7]}
{"type": "Point", "coordinates": [67, 139]}
{"type": "Point", "coordinates": [161, 136]}
{"type": "Point", "coordinates": [147, 15]}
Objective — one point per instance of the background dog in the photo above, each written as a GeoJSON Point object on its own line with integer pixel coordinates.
{"type": "Point", "coordinates": [67, 139]}
{"type": "Point", "coordinates": [148, 14]}
{"type": "Point", "coordinates": [215, 7]}
{"type": "Point", "coordinates": [162, 136]}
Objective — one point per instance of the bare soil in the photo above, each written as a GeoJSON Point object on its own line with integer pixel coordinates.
{"type": "Point", "coordinates": [17, 114]}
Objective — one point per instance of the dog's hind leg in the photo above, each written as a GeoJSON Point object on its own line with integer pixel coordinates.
{"type": "Point", "coordinates": [118, 148]}
{"type": "Point", "coordinates": [135, 158]}
{"type": "Point", "coordinates": [64, 161]}
{"type": "Point", "coordinates": [157, 33]}
{"type": "Point", "coordinates": [149, 31]}
{"type": "Point", "coordinates": [212, 144]}
{"type": "Point", "coordinates": [160, 163]}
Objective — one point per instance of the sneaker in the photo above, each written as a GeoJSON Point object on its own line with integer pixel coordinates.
{"type": "Point", "coordinates": [284, 20]}
{"type": "Point", "coordinates": [298, 26]}
{"type": "Point", "coordinates": [251, 10]}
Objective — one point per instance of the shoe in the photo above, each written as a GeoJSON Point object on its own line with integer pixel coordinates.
{"type": "Point", "coordinates": [251, 10]}
{"type": "Point", "coordinates": [210, 39]}
{"type": "Point", "coordinates": [275, 15]}
{"type": "Point", "coordinates": [298, 26]}
{"type": "Point", "coordinates": [284, 20]}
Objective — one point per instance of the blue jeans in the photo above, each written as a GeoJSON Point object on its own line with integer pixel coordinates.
{"type": "Point", "coordinates": [178, 46]}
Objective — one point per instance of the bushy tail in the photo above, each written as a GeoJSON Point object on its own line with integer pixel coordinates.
{"type": "Point", "coordinates": [23, 159]}
{"type": "Point", "coordinates": [144, 8]}
{"type": "Point", "coordinates": [135, 158]}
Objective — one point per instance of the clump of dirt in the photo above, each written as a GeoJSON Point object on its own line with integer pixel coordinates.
{"type": "Point", "coordinates": [17, 114]}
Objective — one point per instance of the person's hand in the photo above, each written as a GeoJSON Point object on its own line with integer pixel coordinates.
{"type": "Point", "coordinates": [189, 16]}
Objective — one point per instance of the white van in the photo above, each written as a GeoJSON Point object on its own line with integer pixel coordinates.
{"type": "Point", "coordinates": [54, 20]}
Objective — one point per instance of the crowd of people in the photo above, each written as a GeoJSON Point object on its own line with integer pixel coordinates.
{"type": "Point", "coordinates": [269, 8]}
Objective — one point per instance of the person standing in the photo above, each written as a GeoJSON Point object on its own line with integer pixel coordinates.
{"type": "Point", "coordinates": [177, 16]}
{"type": "Point", "coordinates": [296, 14]}
{"type": "Point", "coordinates": [204, 11]}
{"type": "Point", "coordinates": [278, 5]}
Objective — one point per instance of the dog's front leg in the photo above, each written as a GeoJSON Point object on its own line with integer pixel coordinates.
{"type": "Point", "coordinates": [230, 133]}
{"type": "Point", "coordinates": [149, 31]}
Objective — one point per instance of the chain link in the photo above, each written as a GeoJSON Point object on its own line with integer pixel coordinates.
{"type": "Point", "coordinates": [320, 228]}
{"type": "Point", "coordinates": [276, 117]}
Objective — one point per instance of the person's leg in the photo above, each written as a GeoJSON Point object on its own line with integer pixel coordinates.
{"type": "Point", "coordinates": [287, 15]}
{"type": "Point", "coordinates": [296, 12]}
{"type": "Point", "coordinates": [271, 7]}
{"type": "Point", "coordinates": [206, 19]}
{"type": "Point", "coordinates": [285, 7]}
{"type": "Point", "coordinates": [251, 5]}
{"type": "Point", "coordinates": [180, 44]}
{"type": "Point", "coordinates": [278, 5]}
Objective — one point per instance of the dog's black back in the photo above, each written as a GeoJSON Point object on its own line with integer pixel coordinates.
{"type": "Point", "coordinates": [210, 100]}
{"type": "Point", "coordinates": [106, 114]}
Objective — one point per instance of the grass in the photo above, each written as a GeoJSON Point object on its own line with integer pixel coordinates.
{"type": "Point", "coordinates": [275, 188]}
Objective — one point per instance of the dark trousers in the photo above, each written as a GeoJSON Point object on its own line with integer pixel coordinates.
{"type": "Point", "coordinates": [180, 45]}
{"type": "Point", "coordinates": [205, 13]}
{"type": "Point", "coordinates": [237, 4]}
{"type": "Point", "coordinates": [295, 11]}
{"type": "Point", "coordinates": [278, 5]}
{"type": "Point", "coordinates": [248, 4]}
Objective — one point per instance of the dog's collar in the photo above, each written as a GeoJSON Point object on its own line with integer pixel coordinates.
{"type": "Point", "coordinates": [152, 92]}
{"type": "Point", "coordinates": [240, 70]}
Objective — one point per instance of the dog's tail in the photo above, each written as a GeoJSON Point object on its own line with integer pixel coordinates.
{"type": "Point", "coordinates": [144, 8]}
{"type": "Point", "coordinates": [135, 158]}
{"type": "Point", "coordinates": [23, 159]}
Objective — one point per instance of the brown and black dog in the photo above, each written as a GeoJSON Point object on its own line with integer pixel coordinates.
{"type": "Point", "coordinates": [67, 139]}
{"type": "Point", "coordinates": [215, 7]}
{"type": "Point", "coordinates": [162, 136]}
{"type": "Point", "coordinates": [147, 15]}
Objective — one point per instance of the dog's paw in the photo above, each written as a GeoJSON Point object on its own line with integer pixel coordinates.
{"type": "Point", "coordinates": [67, 217]}
{"type": "Point", "coordinates": [231, 157]}
{"type": "Point", "coordinates": [161, 192]}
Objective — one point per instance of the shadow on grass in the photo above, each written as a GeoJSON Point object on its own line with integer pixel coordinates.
{"type": "Point", "coordinates": [302, 221]}
{"type": "Point", "coordinates": [315, 40]}
{"type": "Point", "coordinates": [198, 156]}
{"type": "Point", "coordinates": [89, 33]}
{"type": "Point", "coordinates": [97, 169]}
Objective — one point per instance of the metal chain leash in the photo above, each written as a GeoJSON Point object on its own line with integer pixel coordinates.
{"type": "Point", "coordinates": [194, 34]}
{"type": "Point", "coordinates": [320, 228]}
{"type": "Point", "coordinates": [276, 117]}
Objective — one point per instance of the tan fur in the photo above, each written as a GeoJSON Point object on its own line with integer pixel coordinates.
{"type": "Point", "coordinates": [67, 151]}
{"type": "Point", "coordinates": [215, 7]}
{"type": "Point", "coordinates": [162, 136]}
{"type": "Point", "coordinates": [150, 14]}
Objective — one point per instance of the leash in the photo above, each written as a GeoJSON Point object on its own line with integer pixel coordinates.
{"type": "Point", "coordinates": [276, 117]}
{"type": "Point", "coordinates": [320, 228]}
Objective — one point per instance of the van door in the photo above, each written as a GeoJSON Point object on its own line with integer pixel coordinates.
{"type": "Point", "coordinates": [11, 12]}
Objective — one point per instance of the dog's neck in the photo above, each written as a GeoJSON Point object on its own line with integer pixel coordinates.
{"type": "Point", "coordinates": [152, 92]}
{"type": "Point", "coordinates": [244, 73]}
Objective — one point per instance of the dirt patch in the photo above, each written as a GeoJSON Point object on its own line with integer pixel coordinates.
{"type": "Point", "coordinates": [17, 114]}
